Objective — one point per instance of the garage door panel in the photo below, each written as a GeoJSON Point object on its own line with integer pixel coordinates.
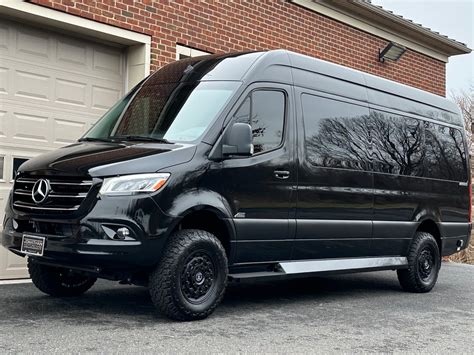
{"type": "Point", "coordinates": [29, 84]}
{"type": "Point", "coordinates": [72, 54]}
{"type": "Point", "coordinates": [31, 43]}
{"type": "Point", "coordinates": [4, 73]}
{"type": "Point", "coordinates": [30, 127]}
{"type": "Point", "coordinates": [67, 131]}
{"type": "Point", "coordinates": [104, 97]}
{"type": "Point", "coordinates": [53, 87]}
{"type": "Point", "coordinates": [93, 95]}
{"type": "Point", "coordinates": [16, 266]}
{"type": "Point", "coordinates": [33, 125]}
{"type": "Point", "coordinates": [3, 124]}
{"type": "Point", "coordinates": [11, 263]}
{"type": "Point", "coordinates": [71, 92]}
{"type": "Point", "coordinates": [4, 37]}
{"type": "Point", "coordinates": [24, 123]}
{"type": "Point", "coordinates": [55, 110]}
{"type": "Point", "coordinates": [60, 52]}
{"type": "Point", "coordinates": [61, 70]}
{"type": "Point", "coordinates": [107, 61]}
{"type": "Point", "coordinates": [56, 88]}
{"type": "Point", "coordinates": [3, 197]}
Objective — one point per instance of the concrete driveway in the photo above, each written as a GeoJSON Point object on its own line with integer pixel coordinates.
{"type": "Point", "coordinates": [347, 313]}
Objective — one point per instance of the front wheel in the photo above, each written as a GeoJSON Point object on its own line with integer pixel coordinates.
{"type": "Point", "coordinates": [424, 262]}
{"type": "Point", "coordinates": [58, 282]}
{"type": "Point", "coordinates": [191, 278]}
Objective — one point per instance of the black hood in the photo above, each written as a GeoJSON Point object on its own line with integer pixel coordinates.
{"type": "Point", "coordinates": [97, 159]}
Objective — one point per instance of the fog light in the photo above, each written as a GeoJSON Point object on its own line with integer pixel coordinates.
{"type": "Point", "coordinates": [15, 225]}
{"type": "Point", "coordinates": [123, 233]}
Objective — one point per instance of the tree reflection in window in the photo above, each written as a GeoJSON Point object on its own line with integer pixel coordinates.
{"type": "Point", "coordinates": [397, 144]}
{"type": "Point", "coordinates": [445, 154]}
{"type": "Point", "coordinates": [264, 110]}
{"type": "Point", "coordinates": [343, 135]}
{"type": "Point", "coordinates": [337, 133]}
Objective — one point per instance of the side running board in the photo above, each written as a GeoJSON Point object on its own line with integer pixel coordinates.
{"type": "Point", "coordinates": [327, 266]}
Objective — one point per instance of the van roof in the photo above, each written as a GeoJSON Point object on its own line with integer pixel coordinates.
{"type": "Point", "coordinates": [284, 66]}
{"type": "Point", "coordinates": [381, 92]}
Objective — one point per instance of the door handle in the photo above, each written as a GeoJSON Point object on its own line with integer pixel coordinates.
{"type": "Point", "coordinates": [282, 174]}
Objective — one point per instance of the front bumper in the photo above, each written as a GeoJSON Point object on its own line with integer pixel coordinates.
{"type": "Point", "coordinates": [83, 243]}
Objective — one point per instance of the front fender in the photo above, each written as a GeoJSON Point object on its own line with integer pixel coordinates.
{"type": "Point", "coordinates": [196, 199]}
{"type": "Point", "coordinates": [200, 200]}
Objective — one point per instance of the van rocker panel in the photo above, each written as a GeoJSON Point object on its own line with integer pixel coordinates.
{"type": "Point", "coordinates": [327, 266]}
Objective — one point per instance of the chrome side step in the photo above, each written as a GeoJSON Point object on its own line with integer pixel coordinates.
{"type": "Point", "coordinates": [298, 267]}
{"type": "Point", "coordinates": [327, 266]}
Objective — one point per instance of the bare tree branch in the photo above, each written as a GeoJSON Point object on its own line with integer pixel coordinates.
{"type": "Point", "coordinates": [465, 101]}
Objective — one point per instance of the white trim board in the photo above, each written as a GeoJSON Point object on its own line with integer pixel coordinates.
{"type": "Point", "coordinates": [188, 51]}
{"type": "Point", "coordinates": [138, 45]}
{"type": "Point", "coordinates": [15, 282]}
{"type": "Point", "coordinates": [360, 23]}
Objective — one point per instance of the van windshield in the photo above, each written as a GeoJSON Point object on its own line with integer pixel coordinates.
{"type": "Point", "coordinates": [173, 112]}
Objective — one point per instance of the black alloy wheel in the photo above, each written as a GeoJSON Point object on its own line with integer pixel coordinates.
{"type": "Point", "coordinates": [190, 279]}
{"type": "Point", "coordinates": [424, 262]}
{"type": "Point", "coordinates": [198, 278]}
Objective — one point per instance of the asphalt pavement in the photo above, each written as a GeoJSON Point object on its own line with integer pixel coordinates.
{"type": "Point", "coordinates": [365, 312]}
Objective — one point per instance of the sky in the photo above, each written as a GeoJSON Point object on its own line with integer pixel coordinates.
{"type": "Point", "coordinates": [453, 18]}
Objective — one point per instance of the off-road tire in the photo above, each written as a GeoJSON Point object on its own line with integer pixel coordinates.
{"type": "Point", "coordinates": [58, 282]}
{"type": "Point", "coordinates": [424, 262]}
{"type": "Point", "coordinates": [174, 282]}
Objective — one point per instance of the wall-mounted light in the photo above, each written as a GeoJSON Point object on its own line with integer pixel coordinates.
{"type": "Point", "coordinates": [393, 51]}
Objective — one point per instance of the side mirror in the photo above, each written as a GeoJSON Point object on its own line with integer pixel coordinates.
{"type": "Point", "coordinates": [238, 140]}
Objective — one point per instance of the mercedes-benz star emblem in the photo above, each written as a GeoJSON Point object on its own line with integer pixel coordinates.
{"type": "Point", "coordinates": [40, 191]}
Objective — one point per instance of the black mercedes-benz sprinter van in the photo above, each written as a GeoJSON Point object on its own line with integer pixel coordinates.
{"type": "Point", "coordinates": [262, 164]}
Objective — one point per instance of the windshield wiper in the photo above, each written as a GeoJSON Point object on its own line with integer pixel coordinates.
{"type": "Point", "coordinates": [91, 139]}
{"type": "Point", "coordinates": [141, 138]}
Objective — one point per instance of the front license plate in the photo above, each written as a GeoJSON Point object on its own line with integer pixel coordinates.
{"type": "Point", "coordinates": [33, 245]}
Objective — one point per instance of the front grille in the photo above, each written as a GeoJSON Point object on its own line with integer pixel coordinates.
{"type": "Point", "coordinates": [48, 228]}
{"type": "Point", "coordinates": [65, 195]}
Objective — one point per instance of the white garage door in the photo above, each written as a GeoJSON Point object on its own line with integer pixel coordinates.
{"type": "Point", "coordinates": [52, 88]}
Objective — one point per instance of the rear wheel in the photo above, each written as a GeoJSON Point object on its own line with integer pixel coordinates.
{"type": "Point", "coordinates": [58, 282]}
{"type": "Point", "coordinates": [424, 262]}
{"type": "Point", "coordinates": [190, 280]}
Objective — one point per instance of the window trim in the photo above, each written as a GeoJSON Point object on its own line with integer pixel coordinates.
{"type": "Point", "coordinates": [285, 116]}
{"type": "Point", "coordinates": [12, 160]}
{"type": "Point", "coordinates": [188, 51]}
{"type": "Point", "coordinates": [4, 165]}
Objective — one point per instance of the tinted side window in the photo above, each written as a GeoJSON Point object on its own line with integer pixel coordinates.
{"type": "Point", "coordinates": [397, 143]}
{"type": "Point", "coordinates": [445, 154]}
{"type": "Point", "coordinates": [407, 146]}
{"type": "Point", "coordinates": [337, 134]}
{"type": "Point", "coordinates": [264, 110]}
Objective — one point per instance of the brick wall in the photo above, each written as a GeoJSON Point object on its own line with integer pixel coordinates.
{"type": "Point", "coordinates": [225, 26]}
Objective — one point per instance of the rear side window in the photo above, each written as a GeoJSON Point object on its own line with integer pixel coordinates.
{"type": "Point", "coordinates": [264, 110]}
{"type": "Point", "coordinates": [445, 153]}
{"type": "Point", "coordinates": [397, 144]}
{"type": "Point", "coordinates": [412, 147]}
{"type": "Point", "coordinates": [337, 134]}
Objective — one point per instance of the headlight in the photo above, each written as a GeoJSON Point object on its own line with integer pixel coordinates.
{"type": "Point", "coordinates": [124, 185]}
